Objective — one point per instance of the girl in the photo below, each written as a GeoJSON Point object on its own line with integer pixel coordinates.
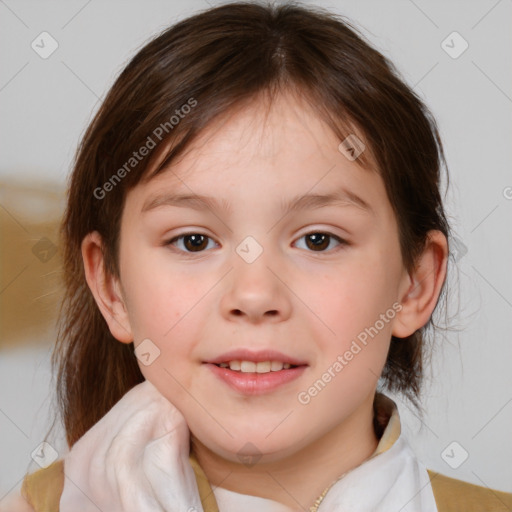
{"type": "Point", "coordinates": [254, 237]}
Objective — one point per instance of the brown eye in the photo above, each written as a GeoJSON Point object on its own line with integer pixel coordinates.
{"type": "Point", "coordinates": [191, 242]}
{"type": "Point", "coordinates": [319, 242]}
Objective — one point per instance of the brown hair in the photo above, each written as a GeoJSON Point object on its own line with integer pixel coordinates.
{"type": "Point", "coordinates": [214, 61]}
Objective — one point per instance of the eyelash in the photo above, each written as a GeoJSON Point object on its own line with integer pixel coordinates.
{"type": "Point", "coordinates": [340, 241]}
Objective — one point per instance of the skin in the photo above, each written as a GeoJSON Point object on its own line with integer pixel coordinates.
{"type": "Point", "coordinates": [306, 302]}
{"type": "Point", "coordinates": [15, 503]}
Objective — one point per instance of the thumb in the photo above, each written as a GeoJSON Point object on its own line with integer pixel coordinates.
{"type": "Point", "coordinates": [167, 468]}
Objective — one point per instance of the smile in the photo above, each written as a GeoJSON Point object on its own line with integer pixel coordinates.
{"type": "Point", "coordinates": [255, 372]}
{"type": "Point", "coordinates": [248, 381]}
{"type": "Point", "coordinates": [253, 367]}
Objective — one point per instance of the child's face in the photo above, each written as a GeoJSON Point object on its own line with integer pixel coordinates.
{"type": "Point", "coordinates": [303, 296]}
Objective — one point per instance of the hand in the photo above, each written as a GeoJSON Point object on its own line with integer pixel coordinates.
{"type": "Point", "coordinates": [15, 503]}
{"type": "Point", "coordinates": [136, 458]}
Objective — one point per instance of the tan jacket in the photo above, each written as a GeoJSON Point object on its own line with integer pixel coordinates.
{"type": "Point", "coordinates": [43, 489]}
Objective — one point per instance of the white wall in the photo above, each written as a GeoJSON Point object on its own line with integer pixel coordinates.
{"type": "Point", "coordinates": [45, 104]}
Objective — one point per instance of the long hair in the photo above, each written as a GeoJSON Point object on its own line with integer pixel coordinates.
{"type": "Point", "coordinates": [184, 78]}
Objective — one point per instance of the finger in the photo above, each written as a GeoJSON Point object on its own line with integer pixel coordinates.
{"type": "Point", "coordinates": [167, 468]}
{"type": "Point", "coordinates": [123, 457]}
{"type": "Point", "coordinates": [85, 467]}
{"type": "Point", "coordinates": [119, 423]}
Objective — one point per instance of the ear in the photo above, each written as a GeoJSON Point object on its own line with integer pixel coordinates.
{"type": "Point", "coordinates": [422, 286]}
{"type": "Point", "coordinates": [105, 288]}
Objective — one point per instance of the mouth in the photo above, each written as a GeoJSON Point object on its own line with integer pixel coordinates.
{"type": "Point", "coordinates": [256, 373]}
{"type": "Point", "coordinates": [256, 367]}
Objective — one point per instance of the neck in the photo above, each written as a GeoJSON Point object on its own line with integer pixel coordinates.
{"type": "Point", "coordinates": [319, 464]}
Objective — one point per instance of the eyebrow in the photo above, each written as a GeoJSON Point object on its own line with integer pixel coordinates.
{"type": "Point", "coordinates": [200, 202]}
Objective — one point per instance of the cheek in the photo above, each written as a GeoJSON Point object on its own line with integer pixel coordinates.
{"type": "Point", "coordinates": [355, 305]}
{"type": "Point", "coordinates": [352, 339]}
{"type": "Point", "coordinates": [158, 297]}
{"type": "Point", "coordinates": [161, 307]}
{"type": "Point", "coordinates": [174, 339]}
{"type": "Point", "coordinates": [351, 299]}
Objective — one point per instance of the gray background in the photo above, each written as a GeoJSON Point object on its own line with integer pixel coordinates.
{"type": "Point", "coordinates": [45, 104]}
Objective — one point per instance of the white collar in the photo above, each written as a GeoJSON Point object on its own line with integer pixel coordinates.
{"type": "Point", "coordinates": [390, 479]}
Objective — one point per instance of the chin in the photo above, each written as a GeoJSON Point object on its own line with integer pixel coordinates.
{"type": "Point", "coordinates": [247, 449]}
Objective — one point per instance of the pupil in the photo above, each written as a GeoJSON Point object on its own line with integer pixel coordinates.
{"type": "Point", "coordinates": [319, 240]}
{"type": "Point", "coordinates": [196, 242]}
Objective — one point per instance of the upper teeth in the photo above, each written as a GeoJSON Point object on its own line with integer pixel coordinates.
{"type": "Point", "coordinates": [252, 367]}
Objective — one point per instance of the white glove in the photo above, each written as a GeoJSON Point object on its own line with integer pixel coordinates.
{"type": "Point", "coordinates": [135, 459]}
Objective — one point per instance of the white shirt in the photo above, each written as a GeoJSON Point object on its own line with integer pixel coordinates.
{"type": "Point", "coordinates": [392, 479]}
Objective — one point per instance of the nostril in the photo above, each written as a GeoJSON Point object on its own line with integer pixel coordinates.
{"type": "Point", "coordinates": [272, 312]}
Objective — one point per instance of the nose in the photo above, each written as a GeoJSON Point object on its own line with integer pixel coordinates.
{"type": "Point", "coordinates": [256, 292]}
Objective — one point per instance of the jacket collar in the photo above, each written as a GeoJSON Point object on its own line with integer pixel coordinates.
{"type": "Point", "coordinates": [387, 427]}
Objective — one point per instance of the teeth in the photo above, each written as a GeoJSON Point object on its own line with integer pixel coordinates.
{"type": "Point", "coordinates": [247, 366]}
{"type": "Point", "coordinates": [275, 366]}
{"type": "Point", "coordinates": [234, 365]}
{"type": "Point", "coordinates": [263, 367]}
{"type": "Point", "coordinates": [252, 367]}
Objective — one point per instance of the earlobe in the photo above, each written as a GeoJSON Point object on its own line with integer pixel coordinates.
{"type": "Point", "coordinates": [105, 288]}
{"type": "Point", "coordinates": [423, 287]}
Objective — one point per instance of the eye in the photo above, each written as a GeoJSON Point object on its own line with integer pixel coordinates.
{"type": "Point", "coordinates": [192, 242]}
{"type": "Point", "coordinates": [319, 241]}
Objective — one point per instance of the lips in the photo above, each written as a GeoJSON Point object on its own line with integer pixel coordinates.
{"type": "Point", "coordinates": [253, 367]}
{"type": "Point", "coordinates": [252, 356]}
{"type": "Point", "coordinates": [252, 372]}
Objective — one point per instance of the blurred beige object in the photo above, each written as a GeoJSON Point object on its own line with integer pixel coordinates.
{"type": "Point", "coordinates": [30, 261]}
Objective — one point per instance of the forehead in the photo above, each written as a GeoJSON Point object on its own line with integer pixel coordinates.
{"type": "Point", "coordinates": [280, 150]}
{"type": "Point", "coordinates": [260, 130]}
